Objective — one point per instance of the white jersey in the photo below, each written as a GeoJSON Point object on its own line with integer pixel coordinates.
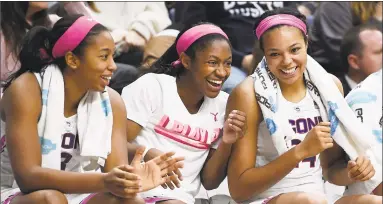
{"type": "Point", "coordinates": [70, 160]}
{"type": "Point", "coordinates": [307, 175]}
{"type": "Point", "coordinates": [152, 101]}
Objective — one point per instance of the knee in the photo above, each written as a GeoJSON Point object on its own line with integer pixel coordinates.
{"type": "Point", "coordinates": [308, 198]}
{"type": "Point", "coordinates": [53, 197]}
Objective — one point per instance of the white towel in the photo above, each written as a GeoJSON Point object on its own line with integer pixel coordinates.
{"type": "Point", "coordinates": [366, 102]}
{"type": "Point", "coordinates": [346, 129]}
{"type": "Point", "coordinates": [95, 120]}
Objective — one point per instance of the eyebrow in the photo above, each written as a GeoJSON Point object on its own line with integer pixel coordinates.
{"type": "Point", "coordinates": [218, 58]}
{"type": "Point", "coordinates": [274, 49]}
{"type": "Point", "coordinates": [105, 49]}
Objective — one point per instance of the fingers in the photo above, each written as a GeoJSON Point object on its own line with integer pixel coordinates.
{"type": "Point", "coordinates": [133, 184]}
{"type": "Point", "coordinates": [237, 115]}
{"type": "Point", "coordinates": [368, 176]}
{"type": "Point", "coordinates": [139, 154]}
{"type": "Point", "coordinates": [178, 172]}
{"type": "Point", "coordinates": [362, 169]}
{"type": "Point", "coordinates": [121, 172]}
{"type": "Point", "coordinates": [164, 157]}
{"type": "Point", "coordinates": [324, 124]}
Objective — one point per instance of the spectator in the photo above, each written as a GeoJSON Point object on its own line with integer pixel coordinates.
{"type": "Point", "coordinates": [331, 22]}
{"type": "Point", "coordinates": [132, 24]}
{"type": "Point", "coordinates": [360, 54]}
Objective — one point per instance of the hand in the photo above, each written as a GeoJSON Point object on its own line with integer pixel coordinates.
{"type": "Point", "coordinates": [122, 183]}
{"type": "Point", "coordinates": [175, 176]}
{"type": "Point", "coordinates": [154, 172]}
{"type": "Point", "coordinates": [317, 140]}
{"type": "Point", "coordinates": [134, 39]}
{"type": "Point", "coordinates": [361, 169]}
{"type": "Point", "coordinates": [247, 62]}
{"type": "Point", "coordinates": [234, 127]}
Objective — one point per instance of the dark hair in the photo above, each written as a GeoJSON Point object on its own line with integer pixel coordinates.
{"type": "Point", "coordinates": [14, 24]}
{"type": "Point", "coordinates": [352, 44]}
{"type": "Point", "coordinates": [163, 64]}
{"type": "Point", "coordinates": [39, 37]}
{"type": "Point", "coordinates": [286, 10]}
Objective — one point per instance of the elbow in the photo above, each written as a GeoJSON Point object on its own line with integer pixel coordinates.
{"type": "Point", "coordinates": [27, 181]}
{"type": "Point", "coordinates": [210, 185]}
{"type": "Point", "coordinates": [238, 192]}
{"type": "Point", "coordinates": [238, 196]}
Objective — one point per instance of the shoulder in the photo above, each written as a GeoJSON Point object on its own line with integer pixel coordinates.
{"type": "Point", "coordinates": [23, 95]}
{"type": "Point", "coordinates": [338, 83]}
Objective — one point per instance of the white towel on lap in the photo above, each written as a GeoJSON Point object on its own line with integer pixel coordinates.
{"type": "Point", "coordinates": [346, 129]}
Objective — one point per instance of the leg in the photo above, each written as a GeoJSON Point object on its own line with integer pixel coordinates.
{"type": "Point", "coordinates": [41, 197]}
{"type": "Point", "coordinates": [298, 197]}
{"type": "Point", "coordinates": [170, 202]}
{"type": "Point", "coordinates": [102, 198]}
{"type": "Point", "coordinates": [360, 199]}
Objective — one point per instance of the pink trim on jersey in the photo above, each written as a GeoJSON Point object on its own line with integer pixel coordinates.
{"type": "Point", "coordinates": [186, 134]}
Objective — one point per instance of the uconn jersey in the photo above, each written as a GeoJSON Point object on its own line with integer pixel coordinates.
{"type": "Point", "coordinates": [307, 175]}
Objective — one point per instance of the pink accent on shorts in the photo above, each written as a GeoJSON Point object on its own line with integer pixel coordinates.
{"type": "Point", "coordinates": [85, 201]}
{"type": "Point", "coordinates": [9, 199]}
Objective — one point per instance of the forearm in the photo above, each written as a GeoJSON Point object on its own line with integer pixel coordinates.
{"type": "Point", "coordinates": [215, 169]}
{"type": "Point", "coordinates": [256, 180]}
{"type": "Point", "coordinates": [63, 181]}
{"type": "Point", "coordinates": [338, 174]}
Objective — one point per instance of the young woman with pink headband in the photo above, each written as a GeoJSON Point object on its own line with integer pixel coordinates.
{"type": "Point", "coordinates": [260, 171]}
{"type": "Point", "coordinates": [179, 106]}
{"type": "Point", "coordinates": [54, 151]}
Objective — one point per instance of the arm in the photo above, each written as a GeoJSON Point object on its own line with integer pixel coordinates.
{"type": "Point", "coordinates": [119, 154]}
{"type": "Point", "coordinates": [333, 160]}
{"type": "Point", "coordinates": [215, 168]}
{"type": "Point", "coordinates": [246, 180]}
{"type": "Point", "coordinates": [24, 147]}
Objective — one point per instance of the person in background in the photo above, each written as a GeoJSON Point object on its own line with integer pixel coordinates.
{"type": "Point", "coordinates": [360, 54]}
{"type": "Point", "coordinates": [16, 19]}
{"type": "Point", "coordinates": [331, 22]}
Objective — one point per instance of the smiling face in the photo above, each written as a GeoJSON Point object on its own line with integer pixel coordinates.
{"type": "Point", "coordinates": [97, 64]}
{"type": "Point", "coordinates": [211, 67]}
{"type": "Point", "coordinates": [286, 58]}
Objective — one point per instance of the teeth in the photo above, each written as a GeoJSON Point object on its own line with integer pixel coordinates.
{"type": "Point", "coordinates": [106, 78]}
{"type": "Point", "coordinates": [214, 81]}
{"type": "Point", "coordinates": [289, 71]}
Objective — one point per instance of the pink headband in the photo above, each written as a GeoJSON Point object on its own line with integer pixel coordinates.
{"type": "Point", "coordinates": [193, 34]}
{"type": "Point", "coordinates": [73, 36]}
{"type": "Point", "coordinates": [280, 19]}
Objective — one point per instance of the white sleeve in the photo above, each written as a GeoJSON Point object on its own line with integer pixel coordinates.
{"type": "Point", "coordinates": [142, 98]}
{"type": "Point", "coordinates": [152, 20]}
